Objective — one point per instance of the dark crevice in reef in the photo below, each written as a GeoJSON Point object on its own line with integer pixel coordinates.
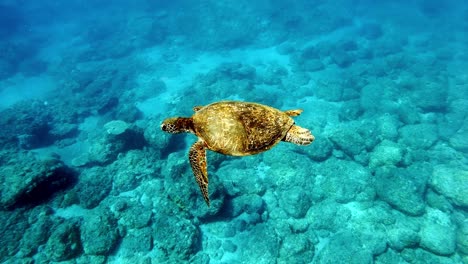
{"type": "Point", "coordinates": [61, 179]}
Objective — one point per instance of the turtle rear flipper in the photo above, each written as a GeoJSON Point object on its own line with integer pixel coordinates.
{"type": "Point", "coordinates": [294, 112]}
{"type": "Point", "coordinates": [299, 136]}
{"type": "Point", "coordinates": [197, 108]}
{"type": "Point", "coordinates": [197, 157]}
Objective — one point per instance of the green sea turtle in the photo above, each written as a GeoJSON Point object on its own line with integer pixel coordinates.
{"type": "Point", "coordinates": [237, 129]}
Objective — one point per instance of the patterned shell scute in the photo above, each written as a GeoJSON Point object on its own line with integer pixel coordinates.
{"type": "Point", "coordinates": [263, 127]}
{"type": "Point", "coordinates": [240, 128]}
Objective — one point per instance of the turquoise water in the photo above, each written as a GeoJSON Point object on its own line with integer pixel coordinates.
{"type": "Point", "coordinates": [88, 176]}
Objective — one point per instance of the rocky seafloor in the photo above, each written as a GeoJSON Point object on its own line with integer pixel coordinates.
{"type": "Point", "coordinates": [87, 176]}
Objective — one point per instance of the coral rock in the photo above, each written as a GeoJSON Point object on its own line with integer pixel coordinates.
{"type": "Point", "coordinates": [438, 233]}
{"type": "Point", "coordinates": [452, 183]}
{"type": "Point", "coordinates": [26, 179]}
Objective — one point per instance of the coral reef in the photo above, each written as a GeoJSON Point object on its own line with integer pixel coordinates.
{"type": "Point", "coordinates": [87, 175]}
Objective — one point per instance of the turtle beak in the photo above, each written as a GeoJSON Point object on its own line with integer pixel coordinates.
{"type": "Point", "coordinates": [169, 126]}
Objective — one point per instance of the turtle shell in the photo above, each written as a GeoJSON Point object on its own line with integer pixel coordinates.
{"type": "Point", "coordinates": [240, 128]}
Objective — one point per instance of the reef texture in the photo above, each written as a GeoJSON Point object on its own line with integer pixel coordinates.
{"type": "Point", "coordinates": [87, 175]}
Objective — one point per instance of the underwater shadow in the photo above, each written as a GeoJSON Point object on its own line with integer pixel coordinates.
{"type": "Point", "coordinates": [62, 179]}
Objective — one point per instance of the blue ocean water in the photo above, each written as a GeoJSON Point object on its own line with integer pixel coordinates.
{"type": "Point", "coordinates": [88, 176]}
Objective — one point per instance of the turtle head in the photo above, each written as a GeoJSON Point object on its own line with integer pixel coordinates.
{"type": "Point", "coordinates": [175, 125]}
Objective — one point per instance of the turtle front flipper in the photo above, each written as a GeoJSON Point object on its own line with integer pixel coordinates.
{"type": "Point", "coordinates": [299, 136]}
{"type": "Point", "coordinates": [197, 157]}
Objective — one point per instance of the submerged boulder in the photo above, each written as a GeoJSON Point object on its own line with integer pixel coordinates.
{"type": "Point", "coordinates": [403, 188]}
{"type": "Point", "coordinates": [344, 247]}
{"type": "Point", "coordinates": [438, 233]}
{"type": "Point", "coordinates": [385, 154]}
{"type": "Point", "coordinates": [179, 244]}
{"type": "Point", "coordinates": [419, 136]}
{"type": "Point", "coordinates": [64, 242]}
{"type": "Point", "coordinates": [28, 179]}
{"type": "Point", "coordinates": [116, 137]}
{"type": "Point", "coordinates": [99, 234]}
{"type": "Point", "coordinates": [451, 182]}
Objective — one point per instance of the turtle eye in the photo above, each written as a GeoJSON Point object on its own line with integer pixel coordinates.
{"type": "Point", "coordinates": [164, 127]}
